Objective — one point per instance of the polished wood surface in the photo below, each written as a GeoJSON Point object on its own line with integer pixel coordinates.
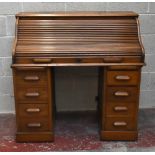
{"type": "Point", "coordinates": [78, 14]}
{"type": "Point", "coordinates": [34, 103]}
{"type": "Point", "coordinates": [78, 36]}
{"type": "Point", "coordinates": [108, 40]}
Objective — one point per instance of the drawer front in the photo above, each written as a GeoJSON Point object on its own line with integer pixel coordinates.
{"type": "Point", "coordinates": [120, 123]}
{"type": "Point", "coordinates": [122, 94]}
{"type": "Point", "coordinates": [121, 109]}
{"type": "Point", "coordinates": [33, 110]}
{"type": "Point", "coordinates": [105, 59]}
{"type": "Point", "coordinates": [123, 77]}
{"type": "Point", "coordinates": [32, 95]}
{"type": "Point", "coordinates": [33, 124]}
{"type": "Point", "coordinates": [31, 78]}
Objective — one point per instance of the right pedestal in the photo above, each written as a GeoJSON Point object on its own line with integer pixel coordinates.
{"type": "Point", "coordinates": [118, 102]}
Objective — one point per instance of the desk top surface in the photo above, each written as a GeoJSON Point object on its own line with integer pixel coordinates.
{"type": "Point", "coordinates": [79, 13]}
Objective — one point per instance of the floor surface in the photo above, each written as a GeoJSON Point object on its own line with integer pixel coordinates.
{"type": "Point", "coordinates": [74, 132]}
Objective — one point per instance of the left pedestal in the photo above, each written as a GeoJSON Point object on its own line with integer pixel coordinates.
{"type": "Point", "coordinates": [33, 90]}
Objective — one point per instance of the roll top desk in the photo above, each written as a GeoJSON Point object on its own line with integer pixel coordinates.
{"type": "Point", "coordinates": [108, 40]}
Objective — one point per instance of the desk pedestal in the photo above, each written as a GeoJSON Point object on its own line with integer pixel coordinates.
{"type": "Point", "coordinates": [118, 102]}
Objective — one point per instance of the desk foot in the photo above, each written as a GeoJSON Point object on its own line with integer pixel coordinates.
{"type": "Point", "coordinates": [34, 137]}
{"type": "Point", "coordinates": [119, 135]}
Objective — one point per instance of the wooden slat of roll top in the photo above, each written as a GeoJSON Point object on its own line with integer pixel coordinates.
{"type": "Point", "coordinates": [42, 38]}
{"type": "Point", "coordinates": [92, 47]}
{"type": "Point", "coordinates": [127, 30]}
{"type": "Point", "coordinates": [80, 21]}
{"type": "Point", "coordinates": [74, 22]}
{"type": "Point", "coordinates": [60, 36]}
{"type": "Point", "coordinates": [80, 42]}
{"type": "Point", "coordinates": [73, 26]}
{"type": "Point", "coordinates": [79, 39]}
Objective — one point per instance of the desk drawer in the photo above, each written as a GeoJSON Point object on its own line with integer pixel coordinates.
{"type": "Point", "coordinates": [31, 78]}
{"type": "Point", "coordinates": [120, 123]}
{"type": "Point", "coordinates": [32, 95]}
{"type": "Point", "coordinates": [34, 124]}
{"type": "Point", "coordinates": [123, 77]}
{"type": "Point", "coordinates": [33, 110]}
{"type": "Point", "coordinates": [121, 109]}
{"type": "Point", "coordinates": [122, 94]}
{"type": "Point", "coordinates": [101, 59]}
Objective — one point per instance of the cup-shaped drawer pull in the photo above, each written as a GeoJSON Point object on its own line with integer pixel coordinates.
{"type": "Point", "coordinates": [122, 123]}
{"type": "Point", "coordinates": [112, 60]}
{"type": "Point", "coordinates": [121, 93]}
{"type": "Point", "coordinates": [31, 78]}
{"type": "Point", "coordinates": [42, 60]}
{"type": "Point", "coordinates": [122, 77]}
{"type": "Point", "coordinates": [34, 125]}
{"type": "Point", "coordinates": [33, 110]}
{"type": "Point", "coordinates": [34, 94]}
{"type": "Point", "coordinates": [120, 108]}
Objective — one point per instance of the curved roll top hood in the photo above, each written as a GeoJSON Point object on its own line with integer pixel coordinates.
{"type": "Point", "coordinates": [82, 33]}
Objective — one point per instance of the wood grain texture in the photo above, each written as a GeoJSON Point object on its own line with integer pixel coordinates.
{"type": "Point", "coordinates": [109, 40]}
{"type": "Point", "coordinates": [78, 33]}
{"type": "Point", "coordinates": [33, 104]}
{"type": "Point", "coordinates": [77, 14]}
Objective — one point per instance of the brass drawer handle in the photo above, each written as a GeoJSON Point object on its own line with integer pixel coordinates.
{"type": "Point", "coordinates": [120, 124]}
{"type": "Point", "coordinates": [121, 93]}
{"type": "Point", "coordinates": [122, 77]}
{"type": "Point", "coordinates": [31, 78]}
{"type": "Point", "coordinates": [40, 60]}
{"type": "Point", "coordinates": [32, 110]}
{"type": "Point", "coordinates": [32, 94]}
{"type": "Point", "coordinates": [120, 108]}
{"type": "Point", "coordinates": [34, 125]}
{"type": "Point", "coordinates": [112, 60]}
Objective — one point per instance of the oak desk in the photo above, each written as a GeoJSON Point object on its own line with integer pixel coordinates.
{"type": "Point", "coordinates": [109, 40]}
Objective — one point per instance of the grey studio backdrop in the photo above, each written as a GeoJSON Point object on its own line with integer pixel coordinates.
{"type": "Point", "coordinates": [76, 87]}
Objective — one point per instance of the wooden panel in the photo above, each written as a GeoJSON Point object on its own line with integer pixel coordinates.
{"type": "Point", "coordinates": [119, 135]}
{"type": "Point", "coordinates": [35, 137]}
{"type": "Point", "coordinates": [123, 77]}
